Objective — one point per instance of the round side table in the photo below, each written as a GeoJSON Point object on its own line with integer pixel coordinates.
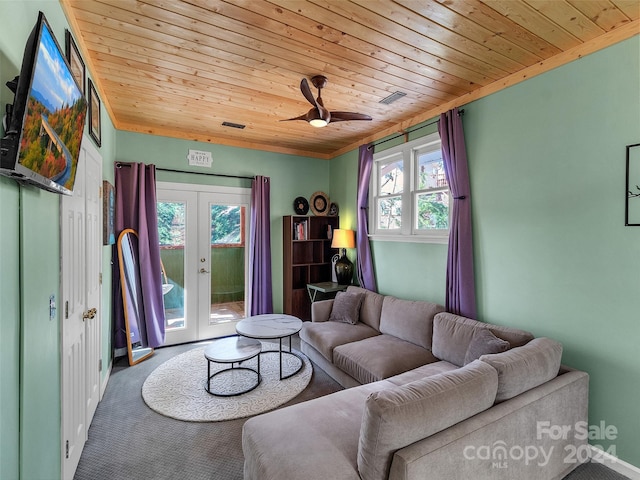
{"type": "Point", "coordinates": [273, 326]}
{"type": "Point", "coordinates": [232, 350]}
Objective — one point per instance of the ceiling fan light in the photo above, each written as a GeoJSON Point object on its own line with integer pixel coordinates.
{"type": "Point", "coordinates": [318, 122]}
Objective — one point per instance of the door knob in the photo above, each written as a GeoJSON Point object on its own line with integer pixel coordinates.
{"type": "Point", "coordinates": [202, 270]}
{"type": "Point", "coordinates": [89, 314]}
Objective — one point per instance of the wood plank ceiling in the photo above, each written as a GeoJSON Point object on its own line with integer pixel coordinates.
{"type": "Point", "coordinates": [182, 68]}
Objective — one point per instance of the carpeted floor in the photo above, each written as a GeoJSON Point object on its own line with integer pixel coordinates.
{"type": "Point", "coordinates": [129, 441]}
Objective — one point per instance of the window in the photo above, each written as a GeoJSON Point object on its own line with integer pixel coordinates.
{"type": "Point", "coordinates": [410, 194]}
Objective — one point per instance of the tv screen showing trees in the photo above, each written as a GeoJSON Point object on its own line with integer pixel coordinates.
{"type": "Point", "coordinates": [54, 118]}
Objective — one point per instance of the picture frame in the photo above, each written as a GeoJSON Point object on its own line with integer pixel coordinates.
{"type": "Point", "coordinates": [632, 205]}
{"type": "Point", "coordinates": [75, 61]}
{"type": "Point", "coordinates": [108, 213]}
{"type": "Point", "coordinates": [94, 115]}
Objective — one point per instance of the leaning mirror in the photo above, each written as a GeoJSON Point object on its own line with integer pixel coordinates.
{"type": "Point", "coordinates": [133, 306]}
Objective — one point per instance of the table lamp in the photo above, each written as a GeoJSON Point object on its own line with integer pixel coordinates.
{"type": "Point", "coordinates": [344, 268]}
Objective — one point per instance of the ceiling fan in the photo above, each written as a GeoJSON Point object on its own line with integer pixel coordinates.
{"type": "Point", "coordinates": [319, 116]}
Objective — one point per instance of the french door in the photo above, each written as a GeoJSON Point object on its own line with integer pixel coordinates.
{"type": "Point", "coordinates": [203, 232]}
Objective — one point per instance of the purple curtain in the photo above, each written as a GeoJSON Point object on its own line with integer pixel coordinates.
{"type": "Point", "coordinates": [260, 292]}
{"type": "Point", "coordinates": [460, 294]}
{"type": "Point", "coordinates": [135, 186]}
{"type": "Point", "coordinates": [366, 274]}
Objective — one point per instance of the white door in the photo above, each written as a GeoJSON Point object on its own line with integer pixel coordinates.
{"type": "Point", "coordinates": [203, 232]}
{"type": "Point", "coordinates": [73, 371]}
{"type": "Point", "coordinates": [81, 260]}
{"type": "Point", "coordinates": [93, 279]}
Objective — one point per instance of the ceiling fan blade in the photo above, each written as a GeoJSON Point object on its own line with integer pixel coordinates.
{"type": "Point", "coordinates": [301, 117]}
{"type": "Point", "coordinates": [306, 91]}
{"type": "Point", "coordinates": [344, 116]}
{"type": "Point", "coordinates": [322, 111]}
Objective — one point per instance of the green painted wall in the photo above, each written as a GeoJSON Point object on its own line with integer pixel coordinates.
{"type": "Point", "coordinates": [291, 176]}
{"type": "Point", "coordinates": [30, 415]}
{"type": "Point", "coordinates": [108, 152]}
{"type": "Point", "coordinates": [547, 166]}
{"type": "Point", "coordinates": [40, 343]}
{"type": "Point", "coordinates": [9, 330]}
{"type": "Point", "coordinates": [547, 163]}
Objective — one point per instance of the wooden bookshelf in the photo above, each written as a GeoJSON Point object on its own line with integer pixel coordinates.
{"type": "Point", "coordinates": [307, 256]}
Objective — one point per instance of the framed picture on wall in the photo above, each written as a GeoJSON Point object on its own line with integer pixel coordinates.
{"type": "Point", "coordinates": [632, 206]}
{"type": "Point", "coordinates": [75, 61]}
{"type": "Point", "coordinates": [108, 213]}
{"type": "Point", "coordinates": [94, 114]}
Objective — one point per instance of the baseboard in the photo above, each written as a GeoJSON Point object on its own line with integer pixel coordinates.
{"type": "Point", "coordinates": [103, 386]}
{"type": "Point", "coordinates": [614, 463]}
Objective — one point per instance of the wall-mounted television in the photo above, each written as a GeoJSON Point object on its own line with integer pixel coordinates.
{"type": "Point", "coordinates": [45, 124]}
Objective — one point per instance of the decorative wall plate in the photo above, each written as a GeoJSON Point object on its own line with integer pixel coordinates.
{"type": "Point", "coordinates": [319, 203]}
{"type": "Point", "coordinates": [301, 206]}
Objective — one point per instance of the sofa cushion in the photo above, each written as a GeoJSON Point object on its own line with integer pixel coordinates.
{"type": "Point", "coordinates": [523, 368]}
{"type": "Point", "coordinates": [396, 417]}
{"type": "Point", "coordinates": [346, 308]}
{"type": "Point", "coordinates": [325, 336]}
{"type": "Point", "coordinates": [379, 357]}
{"type": "Point", "coordinates": [482, 343]}
{"type": "Point", "coordinates": [428, 370]}
{"type": "Point", "coordinates": [409, 320]}
{"type": "Point", "coordinates": [371, 306]}
{"type": "Point", "coordinates": [452, 335]}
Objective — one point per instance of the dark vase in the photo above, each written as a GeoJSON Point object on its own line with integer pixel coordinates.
{"type": "Point", "coordinates": [344, 269]}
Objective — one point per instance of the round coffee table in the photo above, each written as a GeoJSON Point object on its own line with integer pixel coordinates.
{"type": "Point", "coordinates": [232, 350]}
{"type": "Point", "coordinates": [272, 326]}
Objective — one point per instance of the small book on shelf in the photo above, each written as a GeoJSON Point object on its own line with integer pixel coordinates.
{"type": "Point", "coordinates": [300, 230]}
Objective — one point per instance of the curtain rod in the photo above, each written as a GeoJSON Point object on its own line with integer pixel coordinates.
{"type": "Point", "coordinates": [120, 165]}
{"type": "Point", "coordinates": [403, 134]}
{"type": "Point", "coordinates": [205, 173]}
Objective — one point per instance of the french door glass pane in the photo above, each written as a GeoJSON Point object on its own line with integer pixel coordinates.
{"type": "Point", "coordinates": [227, 262]}
{"type": "Point", "coordinates": [171, 233]}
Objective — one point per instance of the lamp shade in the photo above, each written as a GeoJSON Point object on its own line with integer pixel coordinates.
{"type": "Point", "coordinates": [343, 239]}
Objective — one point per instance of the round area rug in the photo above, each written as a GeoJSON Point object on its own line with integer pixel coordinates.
{"type": "Point", "coordinates": [177, 387]}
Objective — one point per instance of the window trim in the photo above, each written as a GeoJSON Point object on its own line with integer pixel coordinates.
{"type": "Point", "coordinates": [408, 231]}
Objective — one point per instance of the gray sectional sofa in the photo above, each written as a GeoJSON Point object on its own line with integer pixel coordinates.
{"type": "Point", "coordinates": [429, 395]}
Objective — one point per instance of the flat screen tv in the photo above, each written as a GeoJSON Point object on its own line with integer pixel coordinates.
{"type": "Point", "coordinates": [44, 126]}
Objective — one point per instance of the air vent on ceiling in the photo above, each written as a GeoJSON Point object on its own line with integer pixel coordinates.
{"type": "Point", "coordinates": [233, 125]}
{"type": "Point", "coordinates": [392, 98]}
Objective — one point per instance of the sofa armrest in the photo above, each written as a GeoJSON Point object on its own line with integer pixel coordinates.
{"type": "Point", "coordinates": [321, 310]}
{"type": "Point", "coordinates": [513, 423]}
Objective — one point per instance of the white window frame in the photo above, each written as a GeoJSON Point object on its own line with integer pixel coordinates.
{"type": "Point", "coordinates": [408, 232]}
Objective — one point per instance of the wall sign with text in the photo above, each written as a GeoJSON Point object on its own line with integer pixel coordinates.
{"type": "Point", "coordinates": [200, 158]}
